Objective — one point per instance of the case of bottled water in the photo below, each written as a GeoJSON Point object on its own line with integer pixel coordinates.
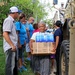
{"type": "Point", "coordinates": [45, 37]}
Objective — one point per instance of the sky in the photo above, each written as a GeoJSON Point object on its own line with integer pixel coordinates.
{"type": "Point", "coordinates": [52, 12]}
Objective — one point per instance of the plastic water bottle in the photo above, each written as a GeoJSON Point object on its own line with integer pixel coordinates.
{"type": "Point", "coordinates": [37, 38]}
{"type": "Point", "coordinates": [41, 37]}
{"type": "Point", "coordinates": [48, 38]}
{"type": "Point", "coordinates": [45, 37]}
{"type": "Point", "coordinates": [51, 37]}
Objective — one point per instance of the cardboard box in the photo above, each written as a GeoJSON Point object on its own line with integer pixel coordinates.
{"type": "Point", "coordinates": [43, 48]}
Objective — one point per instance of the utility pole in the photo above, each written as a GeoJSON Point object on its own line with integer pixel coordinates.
{"type": "Point", "coordinates": [33, 1]}
{"type": "Point", "coordinates": [35, 15]}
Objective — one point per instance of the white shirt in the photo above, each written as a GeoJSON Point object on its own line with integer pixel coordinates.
{"type": "Point", "coordinates": [9, 26]}
{"type": "Point", "coordinates": [34, 36]}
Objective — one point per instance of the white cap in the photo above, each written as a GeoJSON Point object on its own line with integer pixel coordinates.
{"type": "Point", "coordinates": [14, 9]}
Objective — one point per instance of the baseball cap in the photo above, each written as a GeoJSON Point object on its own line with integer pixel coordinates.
{"type": "Point", "coordinates": [14, 9]}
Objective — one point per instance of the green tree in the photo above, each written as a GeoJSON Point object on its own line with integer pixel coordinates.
{"type": "Point", "coordinates": [49, 22]}
{"type": "Point", "coordinates": [29, 7]}
{"type": "Point", "coordinates": [32, 8]}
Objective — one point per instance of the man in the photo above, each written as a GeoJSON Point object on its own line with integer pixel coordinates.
{"type": "Point", "coordinates": [29, 28]}
{"type": "Point", "coordinates": [10, 41]}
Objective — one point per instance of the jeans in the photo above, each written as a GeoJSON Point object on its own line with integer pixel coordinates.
{"type": "Point", "coordinates": [11, 63]}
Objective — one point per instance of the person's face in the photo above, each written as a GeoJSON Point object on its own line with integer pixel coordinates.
{"type": "Point", "coordinates": [16, 14]}
{"type": "Point", "coordinates": [41, 27]}
{"type": "Point", "coordinates": [32, 20]}
{"type": "Point", "coordinates": [23, 19]}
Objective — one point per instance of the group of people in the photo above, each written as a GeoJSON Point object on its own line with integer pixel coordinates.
{"type": "Point", "coordinates": [18, 36]}
{"type": "Point", "coordinates": [41, 63]}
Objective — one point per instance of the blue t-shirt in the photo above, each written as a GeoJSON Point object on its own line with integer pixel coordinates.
{"type": "Point", "coordinates": [30, 28]}
{"type": "Point", "coordinates": [22, 32]}
{"type": "Point", "coordinates": [58, 32]}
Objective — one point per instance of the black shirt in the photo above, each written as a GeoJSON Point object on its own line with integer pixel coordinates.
{"type": "Point", "coordinates": [59, 33]}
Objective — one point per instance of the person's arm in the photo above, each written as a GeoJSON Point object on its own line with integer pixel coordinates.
{"type": "Point", "coordinates": [28, 34]}
{"type": "Point", "coordinates": [31, 45]}
{"type": "Point", "coordinates": [19, 45]}
{"type": "Point", "coordinates": [18, 27]}
{"type": "Point", "coordinates": [7, 38]}
{"type": "Point", "coordinates": [31, 42]}
{"type": "Point", "coordinates": [57, 41]}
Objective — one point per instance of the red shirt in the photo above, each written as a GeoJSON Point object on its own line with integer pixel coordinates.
{"type": "Point", "coordinates": [37, 30]}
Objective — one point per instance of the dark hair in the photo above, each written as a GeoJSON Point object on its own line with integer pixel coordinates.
{"type": "Point", "coordinates": [35, 26]}
{"type": "Point", "coordinates": [21, 16]}
{"type": "Point", "coordinates": [58, 23]}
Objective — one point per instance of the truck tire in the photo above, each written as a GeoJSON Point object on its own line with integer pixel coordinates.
{"type": "Point", "coordinates": [64, 58]}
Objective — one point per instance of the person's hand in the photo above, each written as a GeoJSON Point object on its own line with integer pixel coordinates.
{"type": "Point", "coordinates": [31, 49]}
{"type": "Point", "coordinates": [53, 49]}
{"type": "Point", "coordinates": [25, 44]}
{"type": "Point", "coordinates": [19, 46]}
{"type": "Point", "coordinates": [13, 48]}
{"type": "Point", "coordinates": [27, 29]}
{"type": "Point", "coordinates": [53, 46]}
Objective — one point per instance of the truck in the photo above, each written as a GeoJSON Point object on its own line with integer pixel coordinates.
{"type": "Point", "coordinates": [67, 49]}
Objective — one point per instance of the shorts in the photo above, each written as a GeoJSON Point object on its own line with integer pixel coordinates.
{"type": "Point", "coordinates": [52, 56]}
{"type": "Point", "coordinates": [27, 47]}
{"type": "Point", "coordinates": [20, 51]}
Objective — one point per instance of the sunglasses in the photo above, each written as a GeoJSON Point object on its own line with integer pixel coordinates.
{"type": "Point", "coordinates": [32, 20]}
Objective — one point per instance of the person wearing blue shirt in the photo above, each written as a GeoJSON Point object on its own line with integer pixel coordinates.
{"type": "Point", "coordinates": [29, 29]}
{"type": "Point", "coordinates": [20, 28]}
{"type": "Point", "coordinates": [22, 32]}
{"type": "Point", "coordinates": [58, 35]}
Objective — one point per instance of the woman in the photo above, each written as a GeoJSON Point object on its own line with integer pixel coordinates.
{"type": "Point", "coordinates": [35, 26]}
{"type": "Point", "coordinates": [43, 68]}
{"type": "Point", "coordinates": [34, 58]}
{"type": "Point", "coordinates": [20, 28]}
{"type": "Point", "coordinates": [58, 35]}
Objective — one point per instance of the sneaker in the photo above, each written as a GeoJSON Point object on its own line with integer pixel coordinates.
{"type": "Point", "coordinates": [28, 58]}
{"type": "Point", "coordinates": [23, 68]}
